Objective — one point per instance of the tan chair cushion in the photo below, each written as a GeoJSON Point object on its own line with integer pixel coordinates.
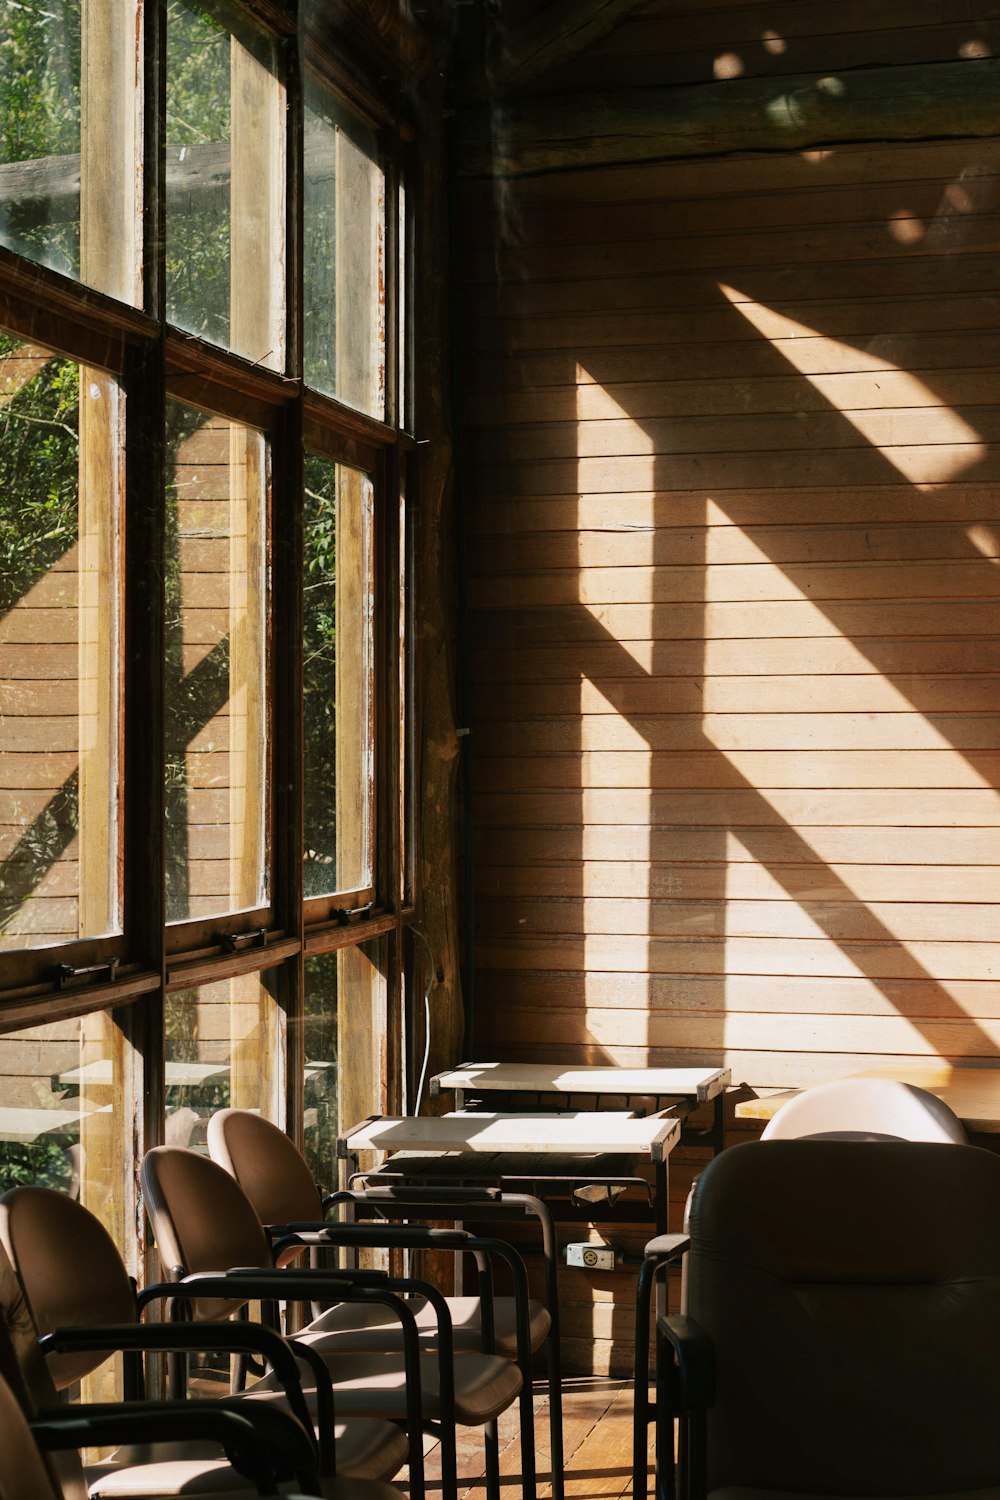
{"type": "Point", "coordinates": [374, 1384]}
{"type": "Point", "coordinates": [374, 1327]}
{"type": "Point", "coordinates": [366, 1449]}
{"type": "Point", "coordinates": [162, 1481]}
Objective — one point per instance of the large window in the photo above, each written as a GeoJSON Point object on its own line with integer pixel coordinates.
{"type": "Point", "coordinates": [61, 428]}
{"type": "Point", "coordinates": [203, 643]}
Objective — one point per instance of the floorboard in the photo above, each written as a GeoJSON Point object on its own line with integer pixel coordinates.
{"type": "Point", "coordinates": [597, 1438]}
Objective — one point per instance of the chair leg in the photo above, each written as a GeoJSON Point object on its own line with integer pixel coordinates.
{"type": "Point", "coordinates": [449, 1461]}
{"type": "Point", "coordinates": [664, 1424]}
{"type": "Point", "coordinates": [527, 1416]}
{"type": "Point", "coordinates": [640, 1379]}
{"type": "Point", "coordinates": [491, 1447]}
{"type": "Point", "coordinates": [556, 1419]}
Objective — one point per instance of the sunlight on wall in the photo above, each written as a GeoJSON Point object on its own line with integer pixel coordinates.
{"type": "Point", "coordinates": [954, 445]}
{"type": "Point", "coordinates": [792, 760]}
{"type": "Point", "coordinates": [593, 702]}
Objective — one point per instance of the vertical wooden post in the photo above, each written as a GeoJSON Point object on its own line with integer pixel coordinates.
{"type": "Point", "coordinates": [353, 721]}
{"type": "Point", "coordinates": [105, 1154]}
{"type": "Point", "coordinates": [111, 147]}
{"type": "Point", "coordinates": [98, 654]}
{"type": "Point", "coordinates": [247, 665]}
{"type": "Point", "coordinates": [360, 277]}
{"type": "Point", "coordinates": [110, 260]}
{"type": "Point", "coordinates": [257, 210]}
{"type": "Point", "coordinates": [439, 744]}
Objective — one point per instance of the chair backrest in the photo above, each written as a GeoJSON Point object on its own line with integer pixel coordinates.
{"type": "Point", "coordinates": [866, 1108]}
{"type": "Point", "coordinates": [24, 1474]}
{"type": "Point", "coordinates": [26, 1378]}
{"type": "Point", "coordinates": [268, 1166]}
{"type": "Point", "coordinates": [852, 1293]}
{"type": "Point", "coordinates": [69, 1268]}
{"type": "Point", "coordinates": [202, 1220]}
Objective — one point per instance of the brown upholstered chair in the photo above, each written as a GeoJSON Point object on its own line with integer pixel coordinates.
{"type": "Point", "coordinates": [70, 1278]}
{"type": "Point", "coordinates": [39, 1458]}
{"type": "Point", "coordinates": [205, 1223]}
{"type": "Point", "coordinates": [276, 1178]}
{"type": "Point", "coordinates": [278, 1182]}
{"type": "Point", "coordinates": [846, 1109]}
{"type": "Point", "coordinates": [24, 1474]}
{"type": "Point", "coordinates": [842, 1323]}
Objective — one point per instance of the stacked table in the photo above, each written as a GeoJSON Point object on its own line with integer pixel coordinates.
{"type": "Point", "coordinates": [581, 1161]}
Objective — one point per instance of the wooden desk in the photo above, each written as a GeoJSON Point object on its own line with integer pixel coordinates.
{"type": "Point", "coordinates": [584, 1148]}
{"type": "Point", "coordinates": [567, 1133]}
{"type": "Point", "coordinates": [682, 1088]}
{"type": "Point", "coordinates": [973, 1093]}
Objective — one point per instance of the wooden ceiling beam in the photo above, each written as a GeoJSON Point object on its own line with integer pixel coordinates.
{"type": "Point", "coordinates": [561, 132]}
{"type": "Point", "coordinates": [553, 37]}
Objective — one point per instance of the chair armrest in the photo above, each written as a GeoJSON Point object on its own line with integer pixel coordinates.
{"type": "Point", "coordinates": [340, 1286]}
{"type": "Point", "coordinates": [694, 1361]}
{"type": "Point", "coordinates": [668, 1247]}
{"type": "Point", "coordinates": [241, 1436]}
{"type": "Point", "coordinates": [421, 1236]}
{"type": "Point", "coordinates": [370, 1236]}
{"type": "Point", "coordinates": [168, 1338]}
{"type": "Point", "coordinates": [443, 1194]}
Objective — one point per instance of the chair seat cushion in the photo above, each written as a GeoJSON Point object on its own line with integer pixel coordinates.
{"type": "Point", "coordinates": [374, 1384]}
{"type": "Point", "coordinates": [372, 1326]}
{"type": "Point", "coordinates": [166, 1481]}
{"type": "Point", "coordinates": [366, 1449]}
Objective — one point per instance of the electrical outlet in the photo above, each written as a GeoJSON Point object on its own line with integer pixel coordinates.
{"type": "Point", "coordinates": [591, 1255]}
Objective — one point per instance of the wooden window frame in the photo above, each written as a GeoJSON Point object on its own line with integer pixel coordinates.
{"type": "Point", "coordinates": [154, 362]}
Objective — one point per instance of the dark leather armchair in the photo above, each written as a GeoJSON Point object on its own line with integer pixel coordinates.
{"type": "Point", "coordinates": [842, 1324]}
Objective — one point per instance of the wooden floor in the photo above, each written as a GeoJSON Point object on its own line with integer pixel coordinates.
{"type": "Point", "coordinates": [597, 1428]}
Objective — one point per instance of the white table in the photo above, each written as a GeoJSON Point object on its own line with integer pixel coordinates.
{"type": "Point", "coordinates": [684, 1088]}
{"type": "Point", "coordinates": [566, 1133]}
{"type": "Point", "coordinates": [973, 1093]}
{"type": "Point", "coordinates": [564, 1148]}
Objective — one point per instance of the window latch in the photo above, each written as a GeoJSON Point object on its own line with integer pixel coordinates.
{"type": "Point", "coordinates": [346, 915]}
{"type": "Point", "coordinates": [236, 942]}
{"type": "Point", "coordinates": [65, 972]}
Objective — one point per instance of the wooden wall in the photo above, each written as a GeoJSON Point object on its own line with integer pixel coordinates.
{"type": "Point", "coordinates": [733, 542]}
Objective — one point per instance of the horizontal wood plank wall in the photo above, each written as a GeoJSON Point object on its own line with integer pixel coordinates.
{"type": "Point", "coordinates": [734, 532]}
{"type": "Point", "coordinates": [666, 42]}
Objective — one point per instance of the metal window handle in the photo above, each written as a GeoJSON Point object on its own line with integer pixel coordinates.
{"type": "Point", "coordinates": [65, 972]}
{"type": "Point", "coordinates": [346, 915]}
{"type": "Point", "coordinates": [235, 942]}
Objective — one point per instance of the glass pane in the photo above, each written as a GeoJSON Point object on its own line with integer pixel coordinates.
{"type": "Point", "coordinates": [225, 183]}
{"type": "Point", "coordinates": [217, 855]}
{"type": "Point", "coordinates": [70, 139]}
{"type": "Point", "coordinates": [62, 1113]}
{"type": "Point", "coordinates": [345, 1016]}
{"type": "Point", "coordinates": [320, 1119]}
{"type": "Point", "coordinates": [60, 500]}
{"type": "Point", "coordinates": [338, 677]}
{"type": "Point", "coordinates": [344, 272]}
{"type": "Point", "coordinates": [66, 1124]}
{"type": "Point", "coordinates": [225, 1049]}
